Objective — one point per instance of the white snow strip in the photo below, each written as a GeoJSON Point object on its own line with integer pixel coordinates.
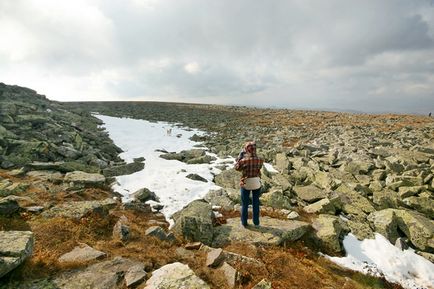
{"type": "Point", "coordinates": [167, 178]}
{"type": "Point", "coordinates": [379, 257]}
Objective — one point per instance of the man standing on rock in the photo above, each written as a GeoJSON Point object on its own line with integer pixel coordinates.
{"type": "Point", "coordinates": [250, 166]}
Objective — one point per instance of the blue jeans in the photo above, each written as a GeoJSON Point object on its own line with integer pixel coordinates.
{"type": "Point", "coordinates": [245, 198]}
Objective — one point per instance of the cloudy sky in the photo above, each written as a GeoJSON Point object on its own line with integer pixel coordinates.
{"type": "Point", "coordinates": [365, 55]}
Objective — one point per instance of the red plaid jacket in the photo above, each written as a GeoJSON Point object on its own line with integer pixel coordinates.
{"type": "Point", "coordinates": [250, 167]}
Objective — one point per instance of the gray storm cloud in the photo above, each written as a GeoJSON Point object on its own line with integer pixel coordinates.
{"type": "Point", "coordinates": [362, 55]}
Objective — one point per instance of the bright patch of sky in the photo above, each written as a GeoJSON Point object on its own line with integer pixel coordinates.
{"type": "Point", "coordinates": [363, 55]}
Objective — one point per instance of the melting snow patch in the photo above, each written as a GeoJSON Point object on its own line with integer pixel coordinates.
{"type": "Point", "coordinates": [167, 178]}
{"type": "Point", "coordinates": [380, 258]}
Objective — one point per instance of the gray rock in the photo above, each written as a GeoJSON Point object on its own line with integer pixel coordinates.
{"type": "Point", "coordinates": [385, 199]}
{"type": "Point", "coordinates": [323, 206]}
{"type": "Point", "coordinates": [143, 195]}
{"type": "Point", "coordinates": [195, 222]}
{"type": "Point", "coordinates": [214, 258]}
{"type": "Point", "coordinates": [196, 177]}
{"type": "Point", "coordinates": [271, 232]}
{"type": "Point", "coordinates": [80, 254]}
{"type": "Point", "coordinates": [15, 247]}
{"type": "Point", "coordinates": [78, 178]}
{"type": "Point", "coordinates": [52, 176]}
{"type": "Point", "coordinates": [121, 230]}
{"type": "Point", "coordinates": [230, 274]}
{"type": "Point", "coordinates": [276, 199]}
{"type": "Point", "coordinates": [8, 207]}
{"type": "Point", "coordinates": [310, 193]}
{"type": "Point", "coordinates": [405, 192]}
{"type": "Point", "coordinates": [159, 233]}
{"type": "Point", "coordinates": [77, 210]}
{"type": "Point", "coordinates": [424, 205]}
{"type": "Point", "coordinates": [104, 275]}
{"type": "Point", "coordinates": [121, 170]}
{"type": "Point", "coordinates": [219, 198]}
{"type": "Point", "coordinates": [135, 275]}
{"type": "Point", "coordinates": [329, 232]}
{"type": "Point", "coordinates": [282, 163]}
{"type": "Point", "coordinates": [175, 275]}
{"type": "Point", "coordinates": [293, 215]}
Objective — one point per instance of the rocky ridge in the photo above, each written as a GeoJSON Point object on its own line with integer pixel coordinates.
{"type": "Point", "coordinates": [337, 173]}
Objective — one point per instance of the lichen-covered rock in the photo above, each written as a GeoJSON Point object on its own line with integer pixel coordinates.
{"type": "Point", "coordinates": [310, 193]}
{"type": "Point", "coordinates": [385, 223]}
{"type": "Point", "coordinates": [143, 195]}
{"type": "Point", "coordinates": [228, 179]}
{"type": "Point", "coordinates": [329, 232]}
{"type": "Point", "coordinates": [77, 210]}
{"type": "Point", "coordinates": [219, 198]}
{"type": "Point", "coordinates": [175, 275]}
{"type": "Point", "coordinates": [195, 222]}
{"type": "Point", "coordinates": [8, 206]}
{"type": "Point", "coordinates": [78, 178]}
{"type": "Point", "coordinates": [15, 247]}
{"type": "Point", "coordinates": [422, 204]}
{"type": "Point", "coordinates": [276, 199]}
{"type": "Point", "coordinates": [271, 232]}
{"type": "Point", "coordinates": [125, 169]}
{"type": "Point", "coordinates": [323, 206]}
{"type": "Point", "coordinates": [385, 199]}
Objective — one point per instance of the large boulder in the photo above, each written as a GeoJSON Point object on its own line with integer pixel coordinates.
{"type": "Point", "coordinates": [15, 247]}
{"type": "Point", "coordinates": [310, 193]}
{"type": "Point", "coordinates": [271, 232]}
{"type": "Point", "coordinates": [354, 202]}
{"type": "Point", "coordinates": [228, 179]}
{"type": "Point", "coordinates": [195, 222]}
{"type": "Point", "coordinates": [276, 199]}
{"type": "Point", "coordinates": [175, 275]}
{"type": "Point", "coordinates": [219, 198]}
{"type": "Point", "coordinates": [193, 156]}
{"type": "Point", "coordinates": [416, 227]}
{"type": "Point", "coordinates": [329, 232]}
{"type": "Point", "coordinates": [422, 204]}
{"type": "Point", "coordinates": [77, 210]}
{"type": "Point", "coordinates": [385, 199]}
{"type": "Point", "coordinates": [282, 163]}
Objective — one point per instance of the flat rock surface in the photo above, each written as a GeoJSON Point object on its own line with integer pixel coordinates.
{"type": "Point", "coordinates": [271, 232]}
{"type": "Point", "coordinates": [173, 276]}
{"type": "Point", "coordinates": [77, 210]}
{"type": "Point", "coordinates": [15, 247]}
{"type": "Point", "coordinates": [83, 253]}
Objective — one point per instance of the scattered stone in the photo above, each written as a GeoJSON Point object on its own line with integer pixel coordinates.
{"type": "Point", "coordinates": [230, 274]}
{"type": "Point", "coordinates": [15, 247]}
{"type": "Point", "coordinates": [34, 209]}
{"type": "Point", "coordinates": [175, 275]}
{"type": "Point", "coordinates": [193, 246]}
{"type": "Point", "coordinates": [214, 258]}
{"type": "Point", "coordinates": [293, 215]}
{"type": "Point", "coordinates": [144, 195]}
{"type": "Point", "coordinates": [81, 254]}
{"type": "Point", "coordinates": [159, 233]}
{"type": "Point", "coordinates": [135, 275]}
{"type": "Point", "coordinates": [122, 170]}
{"type": "Point", "coordinates": [121, 230]}
{"type": "Point", "coordinates": [51, 176]}
{"type": "Point", "coordinates": [196, 177]}
{"type": "Point", "coordinates": [8, 207]}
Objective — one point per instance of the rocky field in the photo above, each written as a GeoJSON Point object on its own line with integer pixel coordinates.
{"type": "Point", "coordinates": [63, 227]}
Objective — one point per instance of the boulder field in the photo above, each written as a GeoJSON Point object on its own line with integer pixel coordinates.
{"type": "Point", "coordinates": [61, 226]}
